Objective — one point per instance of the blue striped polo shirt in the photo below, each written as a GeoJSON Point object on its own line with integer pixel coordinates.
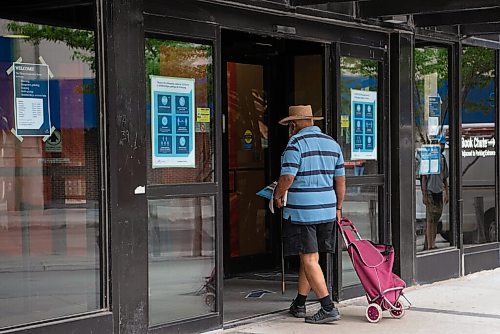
{"type": "Point", "coordinates": [314, 159]}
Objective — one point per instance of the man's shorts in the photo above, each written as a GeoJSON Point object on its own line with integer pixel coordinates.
{"type": "Point", "coordinates": [303, 239]}
{"type": "Point", "coordinates": [434, 207]}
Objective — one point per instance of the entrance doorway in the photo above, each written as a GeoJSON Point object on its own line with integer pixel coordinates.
{"type": "Point", "coordinates": [263, 76]}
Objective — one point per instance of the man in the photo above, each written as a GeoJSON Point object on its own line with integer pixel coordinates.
{"type": "Point", "coordinates": [309, 165]}
{"type": "Point", "coordinates": [435, 194]}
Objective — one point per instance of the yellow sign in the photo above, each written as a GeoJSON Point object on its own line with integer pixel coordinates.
{"type": "Point", "coordinates": [203, 115]}
{"type": "Point", "coordinates": [248, 137]}
{"type": "Point", "coordinates": [344, 121]}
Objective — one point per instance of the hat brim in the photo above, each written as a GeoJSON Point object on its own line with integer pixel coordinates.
{"type": "Point", "coordinates": [285, 120]}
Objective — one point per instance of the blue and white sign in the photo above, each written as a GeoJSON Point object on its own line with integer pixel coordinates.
{"type": "Point", "coordinates": [31, 99]}
{"type": "Point", "coordinates": [434, 106]}
{"type": "Point", "coordinates": [172, 122]}
{"type": "Point", "coordinates": [363, 125]}
{"type": "Point", "coordinates": [429, 159]}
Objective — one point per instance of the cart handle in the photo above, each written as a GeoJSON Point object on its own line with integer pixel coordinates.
{"type": "Point", "coordinates": [348, 231]}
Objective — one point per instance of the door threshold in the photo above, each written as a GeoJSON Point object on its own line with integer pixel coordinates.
{"type": "Point", "coordinates": [260, 317]}
{"type": "Point", "coordinates": [254, 318]}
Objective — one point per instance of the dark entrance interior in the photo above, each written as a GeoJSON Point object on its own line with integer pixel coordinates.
{"type": "Point", "coordinates": [262, 77]}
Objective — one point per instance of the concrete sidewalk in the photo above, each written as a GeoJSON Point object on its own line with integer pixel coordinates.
{"type": "Point", "coordinates": [465, 305]}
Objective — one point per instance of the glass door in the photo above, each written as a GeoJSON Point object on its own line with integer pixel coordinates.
{"type": "Point", "coordinates": [360, 126]}
{"type": "Point", "coordinates": [183, 170]}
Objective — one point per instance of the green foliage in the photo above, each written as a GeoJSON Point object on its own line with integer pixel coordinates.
{"type": "Point", "coordinates": [80, 41]}
{"type": "Point", "coordinates": [478, 70]}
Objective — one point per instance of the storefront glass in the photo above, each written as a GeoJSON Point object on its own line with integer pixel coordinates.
{"type": "Point", "coordinates": [478, 145]}
{"type": "Point", "coordinates": [359, 136]}
{"type": "Point", "coordinates": [361, 207]}
{"type": "Point", "coordinates": [362, 75]}
{"type": "Point", "coordinates": [433, 227]}
{"type": "Point", "coordinates": [182, 280]}
{"type": "Point", "coordinates": [183, 151]}
{"type": "Point", "coordinates": [49, 174]}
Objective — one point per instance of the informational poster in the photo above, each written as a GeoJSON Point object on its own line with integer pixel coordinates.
{"type": "Point", "coordinates": [363, 125]}
{"type": "Point", "coordinates": [31, 99]}
{"type": "Point", "coordinates": [433, 125]}
{"type": "Point", "coordinates": [172, 122]}
{"type": "Point", "coordinates": [430, 159]}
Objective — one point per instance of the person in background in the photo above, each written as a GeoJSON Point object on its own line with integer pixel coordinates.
{"type": "Point", "coordinates": [435, 195]}
{"type": "Point", "coordinates": [309, 165]}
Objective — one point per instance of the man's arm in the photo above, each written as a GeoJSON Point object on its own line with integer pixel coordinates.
{"type": "Point", "coordinates": [340, 192]}
{"type": "Point", "coordinates": [284, 183]}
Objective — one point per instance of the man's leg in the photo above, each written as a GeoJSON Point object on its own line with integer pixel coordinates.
{"type": "Point", "coordinates": [316, 280]}
{"type": "Point", "coordinates": [298, 309]}
{"type": "Point", "coordinates": [314, 274]}
{"type": "Point", "coordinates": [303, 286]}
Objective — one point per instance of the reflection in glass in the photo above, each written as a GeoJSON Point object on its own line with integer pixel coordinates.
{"type": "Point", "coordinates": [248, 135]}
{"type": "Point", "coordinates": [182, 281]}
{"type": "Point", "coordinates": [362, 209]}
{"type": "Point", "coordinates": [478, 145]}
{"type": "Point", "coordinates": [49, 190]}
{"type": "Point", "coordinates": [433, 228]}
{"type": "Point", "coordinates": [308, 84]}
{"type": "Point", "coordinates": [192, 61]}
{"type": "Point", "coordinates": [360, 74]}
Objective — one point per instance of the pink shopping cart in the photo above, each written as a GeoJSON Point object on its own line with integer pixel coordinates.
{"type": "Point", "coordinates": [373, 265]}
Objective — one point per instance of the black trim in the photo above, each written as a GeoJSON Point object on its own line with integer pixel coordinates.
{"type": "Point", "coordinates": [310, 207]}
{"type": "Point", "coordinates": [316, 172]}
{"type": "Point", "coordinates": [96, 323]}
{"type": "Point", "coordinates": [290, 164]}
{"type": "Point", "coordinates": [182, 190]}
{"type": "Point", "coordinates": [309, 190]}
{"type": "Point", "coordinates": [320, 153]}
{"type": "Point", "coordinates": [437, 266]}
{"type": "Point", "coordinates": [295, 140]}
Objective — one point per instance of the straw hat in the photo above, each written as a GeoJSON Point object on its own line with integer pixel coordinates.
{"type": "Point", "coordinates": [299, 112]}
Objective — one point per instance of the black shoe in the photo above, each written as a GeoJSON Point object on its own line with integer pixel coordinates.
{"type": "Point", "coordinates": [297, 311]}
{"type": "Point", "coordinates": [322, 316]}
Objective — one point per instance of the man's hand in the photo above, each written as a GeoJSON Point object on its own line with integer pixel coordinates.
{"type": "Point", "coordinates": [339, 214]}
{"type": "Point", "coordinates": [278, 202]}
{"type": "Point", "coordinates": [445, 197]}
{"type": "Point", "coordinates": [284, 183]}
{"type": "Point", "coordinates": [425, 198]}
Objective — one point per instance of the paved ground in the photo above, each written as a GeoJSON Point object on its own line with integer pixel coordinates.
{"type": "Point", "coordinates": [469, 304]}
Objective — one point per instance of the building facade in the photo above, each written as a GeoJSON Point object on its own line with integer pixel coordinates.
{"type": "Point", "coordinates": [135, 136]}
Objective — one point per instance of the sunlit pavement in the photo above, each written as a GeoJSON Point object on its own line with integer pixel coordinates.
{"type": "Point", "coordinates": [469, 304]}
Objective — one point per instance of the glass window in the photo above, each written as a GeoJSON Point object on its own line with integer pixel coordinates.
{"type": "Point", "coordinates": [359, 74]}
{"type": "Point", "coordinates": [361, 206]}
{"type": "Point", "coordinates": [49, 174]}
{"type": "Point", "coordinates": [182, 280]}
{"type": "Point", "coordinates": [478, 145]}
{"type": "Point", "coordinates": [433, 227]}
{"type": "Point", "coordinates": [178, 63]}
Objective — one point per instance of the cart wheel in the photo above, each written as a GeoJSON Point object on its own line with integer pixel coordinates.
{"type": "Point", "coordinates": [399, 313]}
{"type": "Point", "coordinates": [374, 313]}
{"type": "Point", "coordinates": [210, 301]}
